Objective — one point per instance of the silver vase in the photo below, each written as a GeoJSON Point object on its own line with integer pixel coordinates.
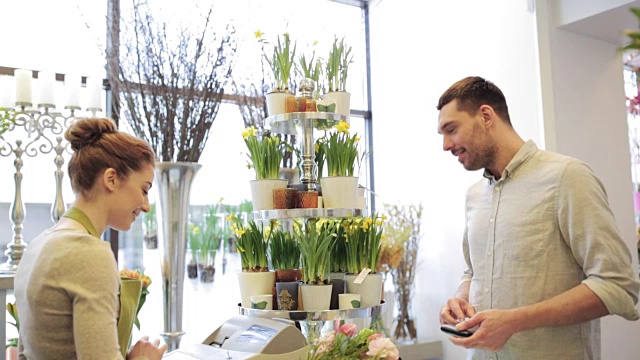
{"type": "Point", "coordinates": [173, 181]}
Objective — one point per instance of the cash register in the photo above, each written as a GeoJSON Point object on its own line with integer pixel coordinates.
{"type": "Point", "coordinates": [243, 337]}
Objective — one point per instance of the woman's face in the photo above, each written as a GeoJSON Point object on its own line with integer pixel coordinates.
{"type": "Point", "coordinates": [131, 198]}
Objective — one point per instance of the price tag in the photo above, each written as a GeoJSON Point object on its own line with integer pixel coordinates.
{"type": "Point", "coordinates": [363, 274]}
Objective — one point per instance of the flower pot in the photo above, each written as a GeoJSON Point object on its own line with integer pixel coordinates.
{"type": "Point", "coordinates": [349, 301]}
{"type": "Point", "coordinates": [287, 295]}
{"type": "Point", "coordinates": [262, 302]}
{"type": "Point", "coordinates": [255, 283]}
{"type": "Point", "coordinates": [339, 287]}
{"type": "Point", "coordinates": [308, 199]}
{"type": "Point", "coordinates": [276, 102]}
{"type": "Point", "coordinates": [370, 289]}
{"type": "Point", "coordinates": [206, 265]}
{"type": "Point", "coordinates": [339, 192]}
{"type": "Point", "coordinates": [316, 297]}
{"type": "Point", "coordinates": [262, 192]}
{"type": "Point", "coordinates": [288, 275]}
{"type": "Point", "coordinates": [342, 99]}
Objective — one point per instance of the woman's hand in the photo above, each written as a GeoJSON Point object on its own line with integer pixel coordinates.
{"type": "Point", "coordinates": [146, 349]}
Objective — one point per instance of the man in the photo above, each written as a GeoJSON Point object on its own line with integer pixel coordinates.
{"type": "Point", "coordinates": [545, 259]}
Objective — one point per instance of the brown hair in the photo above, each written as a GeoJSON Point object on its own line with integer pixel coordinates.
{"type": "Point", "coordinates": [98, 145]}
{"type": "Point", "coordinates": [473, 92]}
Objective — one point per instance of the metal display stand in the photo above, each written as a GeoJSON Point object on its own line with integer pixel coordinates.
{"type": "Point", "coordinates": [303, 125]}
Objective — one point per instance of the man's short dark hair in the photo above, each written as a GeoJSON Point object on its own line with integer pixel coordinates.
{"type": "Point", "coordinates": [473, 92]}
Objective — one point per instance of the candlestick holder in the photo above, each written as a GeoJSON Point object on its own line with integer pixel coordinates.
{"type": "Point", "coordinates": [43, 127]}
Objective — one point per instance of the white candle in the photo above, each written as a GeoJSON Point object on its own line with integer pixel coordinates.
{"type": "Point", "coordinates": [72, 88]}
{"type": "Point", "coordinates": [23, 85]}
{"type": "Point", "coordinates": [7, 91]}
{"type": "Point", "coordinates": [35, 91]}
{"type": "Point", "coordinates": [94, 92]}
{"type": "Point", "coordinates": [46, 80]}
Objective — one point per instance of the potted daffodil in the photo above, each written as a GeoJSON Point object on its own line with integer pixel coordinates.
{"type": "Point", "coordinates": [340, 149]}
{"type": "Point", "coordinates": [265, 156]}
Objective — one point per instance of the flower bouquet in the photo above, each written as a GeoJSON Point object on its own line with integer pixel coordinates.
{"type": "Point", "coordinates": [146, 281]}
{"type": "Point", "coordinates": [347, 343]}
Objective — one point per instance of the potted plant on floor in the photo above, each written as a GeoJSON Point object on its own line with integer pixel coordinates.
{"type": "Point", "coordinates": [316, 238]}
{"type": "Point", "coordinates": [151, 228]}
{"type": "Point", "coordinates": [209, 244]}
{"type": "Point", "coordinates": [265, 156]}
{"type": "Point", "coordinates": [363, 236]}
{"type": "Point", "coordinates": [252, 243]}
{"type": "Point", "coordinates": [194, 246]}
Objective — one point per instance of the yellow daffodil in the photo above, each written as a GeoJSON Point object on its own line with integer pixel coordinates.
{"type": "Point", "coordinates": [343, 127]}
{"type": "Point", "coordinates": [239, 232]}
{"type": "Point", "coordinates": [258, 34]}
{"type": "Point", "coordinates": [249, 132]}
{"type": "Point", "coordinates": [229, 217]}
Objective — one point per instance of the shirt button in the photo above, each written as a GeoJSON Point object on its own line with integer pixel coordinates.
{"type": "Point", "coordinates": [491, 220]}
{"type": "Point", "coordinates": [486, 290]}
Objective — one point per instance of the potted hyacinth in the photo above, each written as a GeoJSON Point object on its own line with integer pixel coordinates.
{"type": "Point", "coordinates": [363, 244]}
{"type": "Point", "coordinates": [252, 243]}
{"type": "Point", "coordinates": [340, 149]}
{"type": "Point", "coordinates": [316, 238]}
{"type": "Point", "coordinates": [265, 156]}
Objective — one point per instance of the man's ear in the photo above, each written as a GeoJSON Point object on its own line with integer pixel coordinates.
{"type": "Point", "coordinates": [487, 113]}
{"type": "Point", "coordinates": [110, 179]}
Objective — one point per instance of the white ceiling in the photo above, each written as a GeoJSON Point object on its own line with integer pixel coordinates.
{"type": "Point", "coordinates": [608, 26]}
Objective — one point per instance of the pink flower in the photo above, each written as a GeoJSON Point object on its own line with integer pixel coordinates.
{"type": "Point", "coordinates": [374, 337]}
{"type": "Point", "coordinates": [349, 329]}
{"type": "Point", "coordinates": [383, 348]}
{"type": "Point", "coordinates": [324, 344]}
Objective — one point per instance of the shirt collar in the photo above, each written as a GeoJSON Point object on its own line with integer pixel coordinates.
{"type": "Point", "coordinates": [526, 151]}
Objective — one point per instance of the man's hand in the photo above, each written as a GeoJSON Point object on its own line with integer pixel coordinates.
{"type": "Point", "coordinates": [455, 311]}
{"type": "Point", "coordinates": [494, 328]}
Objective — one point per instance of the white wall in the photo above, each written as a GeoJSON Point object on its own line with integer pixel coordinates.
{"type": "Point", "coordinates": [418, 50]}
{"type": "Point", "coordinates": [585, 114]}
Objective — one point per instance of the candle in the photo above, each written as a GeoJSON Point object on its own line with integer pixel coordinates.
{"type": "Point", "coordinates": [94, 92]}
{"type": "Point", "coordinates": [72, 88]}
{"type": "Point", "coordinates": [46, 80]}
{"type": "Point", "coordinates": [35, 98]}
{"type": "Point", "coordinates": [23, 85]}
{"type": "Point", "coordinates": [7, 91]}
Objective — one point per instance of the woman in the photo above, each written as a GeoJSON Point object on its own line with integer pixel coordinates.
{"type": "Point", "coordinates": [67, 283]}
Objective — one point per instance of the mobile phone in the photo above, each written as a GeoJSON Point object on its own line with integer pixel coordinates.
{"type": "Point", "coordinates": [451, 329]}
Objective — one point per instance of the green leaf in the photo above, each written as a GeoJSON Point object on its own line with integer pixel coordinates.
{"type": "Point", "coordinates": [355, 304]}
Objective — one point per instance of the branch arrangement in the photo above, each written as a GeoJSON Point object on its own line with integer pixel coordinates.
{"type": "Point", "coordinates": [172, 81]}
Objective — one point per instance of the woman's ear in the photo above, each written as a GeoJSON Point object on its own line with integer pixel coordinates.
{"type": "Point", "coordinates": [110, 179]}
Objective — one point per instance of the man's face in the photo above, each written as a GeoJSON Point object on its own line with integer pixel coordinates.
{"type": "Point", "coordinates": [466, 137]}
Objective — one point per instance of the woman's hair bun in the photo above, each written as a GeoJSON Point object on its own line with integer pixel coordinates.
{"type": "Point", "coordinates": [85, 132]}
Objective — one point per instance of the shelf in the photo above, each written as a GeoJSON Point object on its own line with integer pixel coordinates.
{"type": "Point", "coordinates": [287, 123]}
{"type": "Point", "coordinates": [319, 315]}
{"type": "Point", "coordinates": [306, 213]}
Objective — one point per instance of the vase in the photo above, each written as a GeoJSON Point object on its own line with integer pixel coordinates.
{"type": "Point", "coordinates": [342, 99]}
{"type": "Point", "coordinates": [173, 181]}
{"type": "Point", "coordinates": [316, 297]}
{"type": "Point", "coordinates": [288, 275]}
{"type": "Point", "coordinates": [339, 192]}
{"type": "Point", "coordinates": [262, 192]}
{"type": "Point", "coordinates": [338, 289]}
{"type": "Point", "coordinates": [255, 283]}
{"type": "Point", "coordinates": [370, 289]}
{"type": "Point", "coordinates": [192, 265]}
{"type": "Point", "coordinates": [405, 329]}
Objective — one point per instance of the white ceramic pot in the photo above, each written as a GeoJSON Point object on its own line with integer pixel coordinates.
{"type": "Point", "coordinates": [339, 192]}
{"type": "Point", "coordinates": [342, 99]}
{"type": "Point", "coordinates": [316, 297]}
{"type": "Point", "coordinates": [276, 102]}
{"type": "Point", "coordinates": [370, 289]}
{"type": "Point", "coordinates": [255, 283]}
{"type": "Point", "coordinates": [262, 192]}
